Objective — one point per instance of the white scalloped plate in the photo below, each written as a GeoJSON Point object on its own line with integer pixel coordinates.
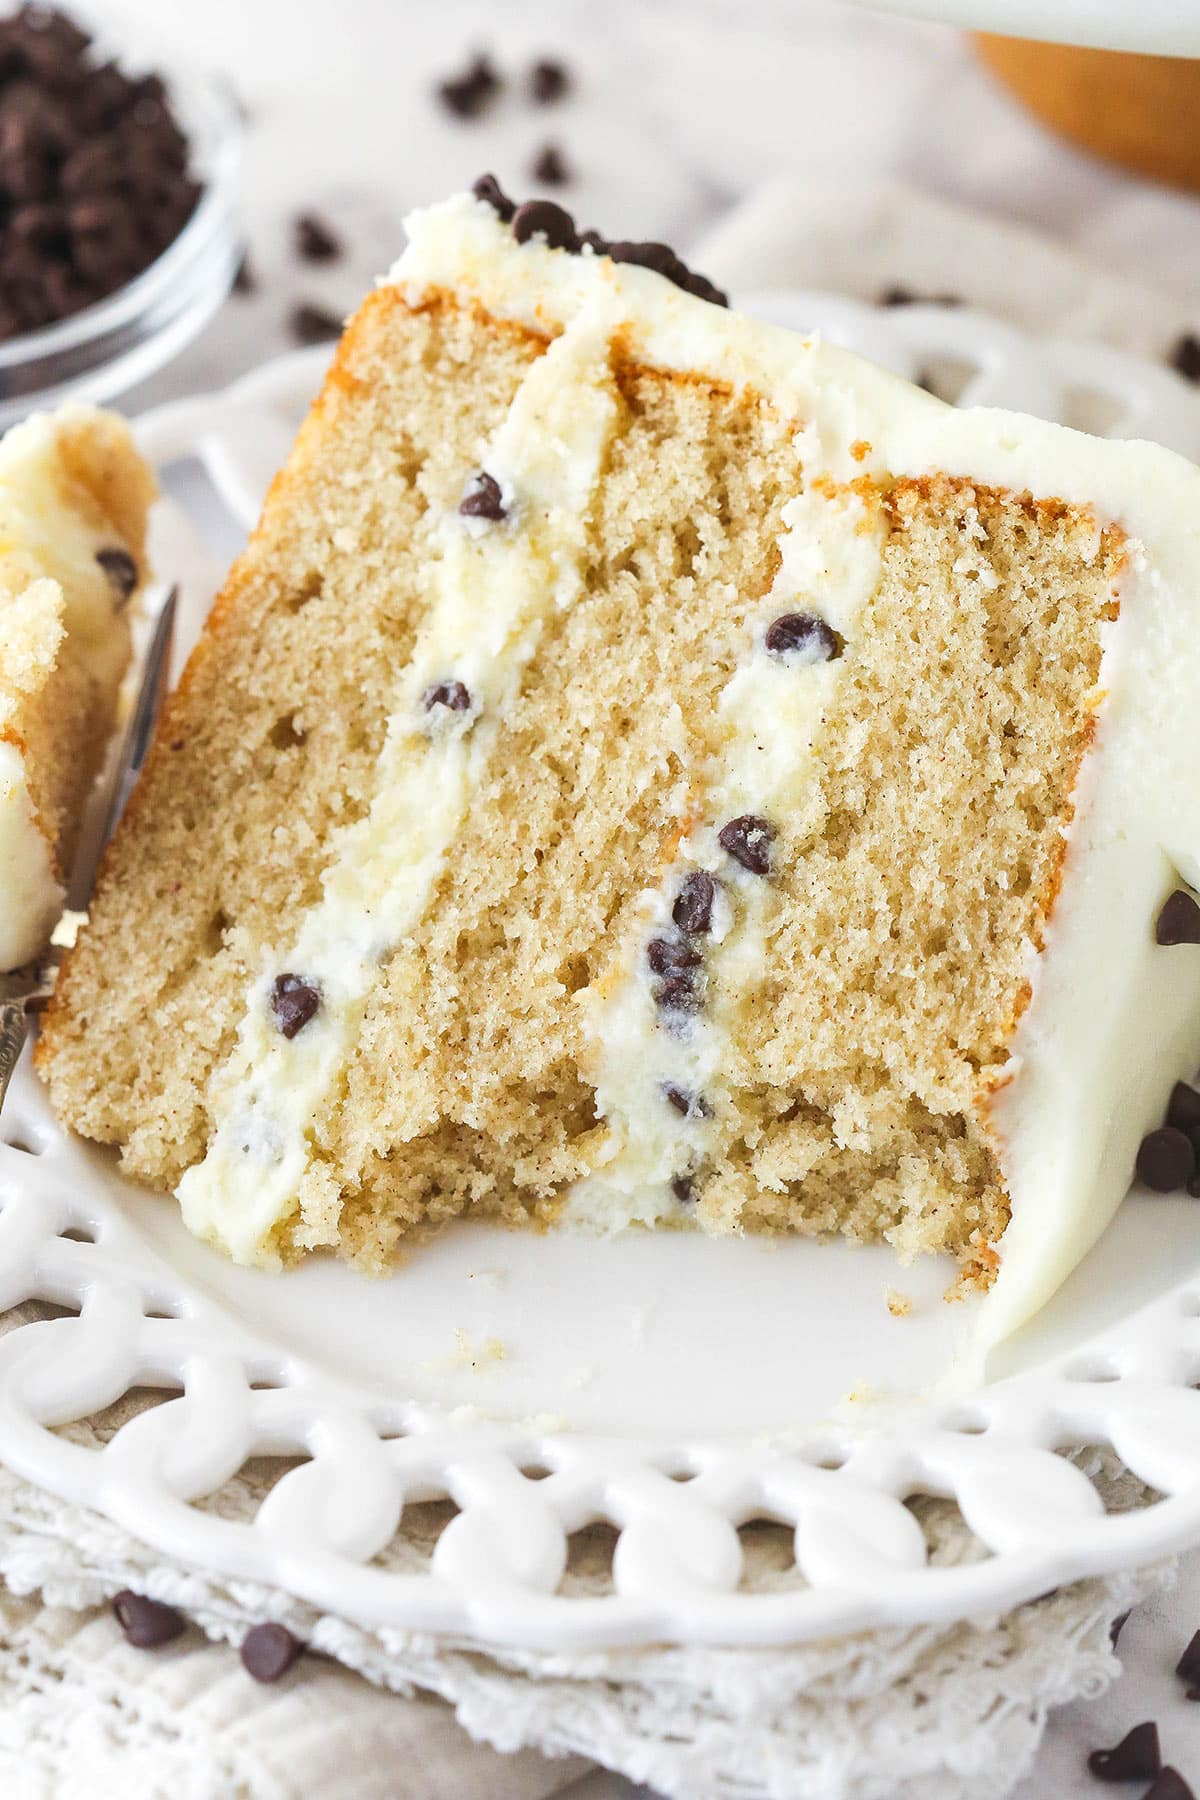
{"type": "Point", "coordinates": [674, 1386]}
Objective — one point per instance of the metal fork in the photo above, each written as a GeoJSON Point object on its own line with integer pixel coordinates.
{"type": "Point", "coordinates": [25, 991]}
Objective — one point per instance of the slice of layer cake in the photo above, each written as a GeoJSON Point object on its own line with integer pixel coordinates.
{"type": "Point", "coordinates": [649, 766]}
{"type": "Point", "coordinates": [74, 494]}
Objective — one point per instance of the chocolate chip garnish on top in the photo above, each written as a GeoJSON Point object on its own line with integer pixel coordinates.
{"type": "Point", "coordinates": [488, 189]}
{"type": "Point", "coordinates": [1184, 356]}
{"type": "Point", "coordinates": [693, 907]}
{"type": "Point", "coordinates": [1179, 920]}
{"type": "Point", "coordinates": [294, 1002]}
{"type": "Point", "coordinates": [455, 696]}
{"type": "Point", "coordinates": [550, 166]}
{"type": "Point", "coordinates": [268, 1651]}
{"type": "Point", "coordinates": [316, 241]}
{"type": "Point", "coordinates": [548, 80]}
{"type": "Point", "coordinates": [545, 219]}
{"type": "Point", "coordinates": [146, 1623]}
{"type": "Point", "coordinates": [1136, 1756]}
{"type": "Point", "coordinates": [748, 840]}
{"type": "Point", "coordinates": [121, 570]}
{"type": "Point", "coordinates": [1166, 1159]}
{"type": "Point", "coordinates": [483, 498]}
{"type": "Point", "coordinates": [804, 637]}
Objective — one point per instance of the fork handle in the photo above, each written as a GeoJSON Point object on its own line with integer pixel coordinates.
{"type": "Point", "coordinates": [13, 1026]}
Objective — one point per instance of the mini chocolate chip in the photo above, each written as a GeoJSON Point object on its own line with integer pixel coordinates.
{"type": "Point", "coordinates": [1188, 1666]}
{"type": "Point", "coordinates": [1183, 1108]}
{"type": "Point", "coordinates": [548, 80]}
{"type": "Point", "coordinates": [671, 956]}
{"type": "Point", "coordinates": [268, 1651]}
{"type": "Point", "coordinates": [310, 324]}
{"type": "Point", "coordinates": [677, 994]}
{"type": "Point", "coordinates": [748, 840]}
{"type": "Point", "coordinates": [245, 281]}
{"type": "Point", "coordinates": [121, 570]}
{"type": "Point", "coordinates": [1116, 1628]}
{"type": "Point", "coordinates": [467, 94]}
{"type": "Point", "coordinates": [1168, 1784]}
{"type": "Point", "coordinates": [293, 1001]}
{"type": "Point", "coordinates": [483, 499]}
{"type": "Point", "coordinates": [548, 220]}
{"type": "Point", "coordinates": [897, 296]}
{"type": "Point", "coordinates": [692, 911]}
{"type": "Point", "coordinates": [704, 289]}
{"type": "Point", "coordinates": [488, 189]}
{"type": "Point", "coordinates": [692, 1106]}
{"type": "Point", "coordinates": [550, 166]}
{"type": "Point", "coordinates": [315, 241]}
{"type": "Point", "coordinates": [648, 255]}
{"type": "Point", "coordinates": [1179, 920]}
{"type": "Point", "coordinates": [684, 1189]}
{"type": "Point", "coordinates": [1136, 1756]}
{"type": "Point", "coordinates": [453, 695]}
{"type": "Point", "coordinates": [1166, 1159]}
{"type": "Point", "coordinates": [146, 1623]}
{"type": "Point", "coordinates": [1184, 356]}
{"type": "Point", "coordinates": [594, 241]}
{"type": "Point", "coordinates": [805, 636]}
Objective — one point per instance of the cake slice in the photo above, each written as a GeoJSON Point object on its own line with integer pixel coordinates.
{"type": "Point", "coordinates": [74, 494]}
{"type": "Point", "coordinates": [652, 767]}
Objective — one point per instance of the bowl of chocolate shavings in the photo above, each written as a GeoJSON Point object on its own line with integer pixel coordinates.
{"type": "Point", "coordinates": [118, 225]}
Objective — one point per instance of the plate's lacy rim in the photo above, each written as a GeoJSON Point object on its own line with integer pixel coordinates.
{"type": "Point", "coordinates": [132, 1321]}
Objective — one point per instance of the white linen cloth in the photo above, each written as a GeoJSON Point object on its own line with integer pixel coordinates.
{"type": "Point", "coordinates": [932, 1714]}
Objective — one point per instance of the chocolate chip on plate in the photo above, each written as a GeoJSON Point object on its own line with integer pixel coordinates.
{"type": "Point", "coordinates": [483, 498]}
{"type": "Point", "coordinates": [466, 95]}
{"type": "Point", "coordinates": [121, 570]}
{"type": "Point", "coordinates": [693, 907]}
{"type": "Point", "coordinates": [545, 219]}
{"type": "Point", "coordinates": [294, 1002]}
{"type": "Point", "coordinates": [803, 636]}
{"type": "Point", "coordinates": [550, 166]}
{"type": "Point", "coordinates": [1184, 356]}
{"type": "Point", "coordinates": [310, 324]}
{"type": "Point", "coordinates": [1179, 920]}
{"type": "Point", "coordinates": [1183, 1108]}
{"type": "Point", "coordinates": [1137, 1755]}
{"type": "Point", "coordinates": [1166, 1159]}
{"type": "Point", "coordinates": [748, 840]}
{"type": "Point", "coordinates": [315, 241]}
{"type": "Point", "coordinates": [548, 80]}
{"type": "Point", "coordinates": [488, 189]}
{"type": "Point", "coordinates": [455, 696]}
{"type": "Point", "coordinates": [1168, 1784]}
{"type": "Point", "coordinates": [268, 1651]}
{"type": "Point", "coordinates": [146, 1623]}
{"type": "Point", "coordinates": [1188, 1666]}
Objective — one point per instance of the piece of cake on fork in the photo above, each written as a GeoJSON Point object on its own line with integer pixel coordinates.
{"type": "Point", "coordinates": [649, 766]}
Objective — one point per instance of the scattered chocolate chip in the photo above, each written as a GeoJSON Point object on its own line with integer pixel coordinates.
{"type": "Point", "coordinates": [805, 636]}
{"type": "Point", "coordinates": [545, 219]}
{"type": "Point", "coordinates": [146, 1623]}
{"type": "Point", "coordinates": [550, 166]}
{"type": "Point", "coordinates": [1168, 1784]}
{"type": "Point", "coordinates": [902, 296]}
{"type": "Point", "coordinates": [1188, 1666]}
{"type": "Point", "coordinates": [121, 570]}
{"type": "Point", "coordinates": [1179, 920]}
{"type": "Point", "coordinates": [245, 281]}
{"type": "Point", "coordinates": [594, 241]}
{"type": "Point", "coordinates": [1184, 356]}
{"type": "Point", "coordinates": [692, 1106]}
{"type": "Point", "coordinates": [467, 95]}
{"type": "Point", "coordinates": [677, 994]}
{"type": "Point", "coordinates": [1166, 1159]}
{"type": "Point", "coordinates": [488, 189]}
{"type": "Point", "coordinates": [310, 324]}
{"type": "Point", "coordinates": [453, 695]}
{"type": "Point", "coordinates": [1183, 1108]}
{"type": "Point", "coordinates": [1191, 1694]}
{"type": "Point", "coordinates": [748, 840]}
{"type": "Point", "coordinates": [671, 956]}
{"type": "Point", "coordinates": [483, 498]}
{"type": "Point", "coordinates": [268, 1651]}
{"type": "Point", "coordinates": [315, 241]}
{"type": "Point", "coordinates": [684, 1189]}
{"type": "Point", "coordinates": [548, 81]}
{"type": "Point", "coordinates": [1116, 1628]}
{"type": "Point", "coordinates": [1136, 1755]}
{"type": "Point", "coordinates": [692, 911]}
{"type": "Point", "coordinates": [293, 1001]}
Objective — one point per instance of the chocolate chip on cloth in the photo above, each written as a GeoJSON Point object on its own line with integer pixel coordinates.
{"type": "Point", "coordinates": [1183, 1108]}
{"type": "Point", "coordinates": [1136, 1756]}
{"type": "Point", "coordinates": [1184, 356]}
{"type": "Point", "coordinates": [268, 1651]}
{"type": "Point", "coordinates": [121, 570]}
{"type": "Point", "coordinates": [1179, 920]}
{"type": "Point", "coordinates": [146, 1623]}
{"type": "Point", "coordinates": [294, 1002]}
{"type": "Point", "coordinates": [1166, 1160]}
{"type": "Point", "coordinates": [748, 840]}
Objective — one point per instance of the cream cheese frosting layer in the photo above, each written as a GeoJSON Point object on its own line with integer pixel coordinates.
{"type": "Point", "coordinates": [493, 586]}
{"type": "Point", "coordinates": [31, 895]}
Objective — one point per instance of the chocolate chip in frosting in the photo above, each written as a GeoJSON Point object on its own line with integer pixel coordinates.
{"type": "Point", "coordinates": [684, 1189]}
{"type": "Point", "coordinates": [692, 1106]}
{"type": "Point", "coordinates": [545, 219]}
{"type": "Point", "coordinates": [1184, 356]}
{"type": "Point", "coordinates": [1179, 920]}
{"type": "Point", "coordinates": [671, 956]}
{"type": "Point", "coordinates": [121, 570]}
{"type": "Point", "coordinates": [294, 1002]}
{"type": "Point", "coordinates": [748, 840]}
{"type": "Point", "coordinates": [455, 696]}
{"type": "Point", "coordinates": [693, 907]}
{"type": "Point", "coordinates": [1166, 1160]}
{"type": "Point", "coordinates": [488, 189]}
{"type": "Point", "coordinates": [146, 1623]}
{"type": "Point", "coordinates": [1135, 1757]}
{"type": "Point", "coordinates": [483, 498]}
{"type": "Point", "coordinates": [803, 636]}
{"type": "Point", "coordinates": [678, 993]}
{"type": "Point", "coordinates": [268, 1651]}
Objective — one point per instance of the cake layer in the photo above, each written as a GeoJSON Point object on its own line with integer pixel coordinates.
{"type": "Point", "coordinates": [73, 500]}
{"type": "Point", "coordinates": [649, 766]}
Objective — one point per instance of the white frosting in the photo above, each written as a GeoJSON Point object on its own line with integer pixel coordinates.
{"type": "Point", "coordinates": [30, 895]}
{"type": "Point", "coordinates": [1113, 1019]}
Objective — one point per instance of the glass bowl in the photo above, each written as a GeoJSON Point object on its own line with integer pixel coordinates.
{"type": "Point", "coordinates": [103, 350]}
